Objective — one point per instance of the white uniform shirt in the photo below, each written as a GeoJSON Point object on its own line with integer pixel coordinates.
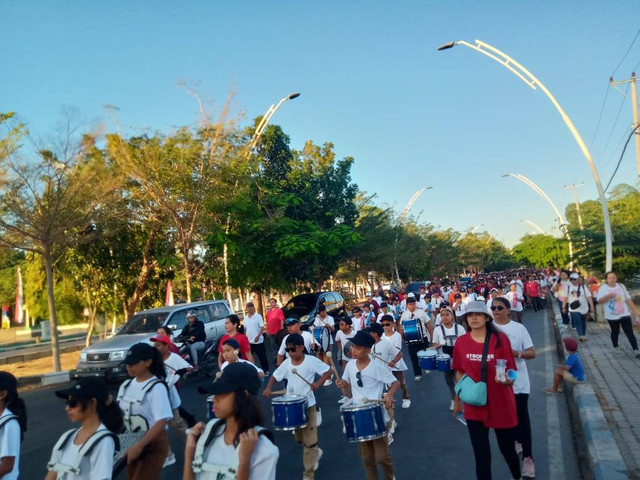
{"type": "Point", "coordinates": [328, 320]}
{"type": "Point", "coordinates": [98, 465]}
{"type": "Point", "coordinates": [171, 365]}
{"type": "Point", "coordinates": [155, 405]}
{"type": "Point", "coordinates": [10, 444]}
{"type": "Point", "coordinates": [417, 314]}
{"type": "Point", "coordinates": [615, 308]}
{"type": "Point", "coordinates": [344, 337]}
{"type": "Point", "coordinates": [357, 324]}
{"type": "Point", "coordinates": [455, 331]}
{"type": "Point", "coordinates": [263, 459]}
{"type": "Point", "coordinates": [374, 378]}
{"type": "Point", "coordinates": [306, 336]}
{"type": "Point", "coordinates": [388, 348]}
{"type": "Point", "coordinates": [252, 326]}
{"type": "Point", "coordinates": [309, 368]}
{"type": "Point", "coordinates": [520, 341]}
{"type": "Point", "coordinates": [240, 360]}
{"type": "Point", "coordinates": [515, 299]}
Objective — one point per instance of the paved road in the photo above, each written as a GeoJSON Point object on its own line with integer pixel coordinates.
{"type": "Point", "coordinates": [427, 442]}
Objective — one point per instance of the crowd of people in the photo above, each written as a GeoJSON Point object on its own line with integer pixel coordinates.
{"type": "Point", "coordinates": [473, 330]}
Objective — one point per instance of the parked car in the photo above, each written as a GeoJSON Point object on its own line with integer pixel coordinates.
{"type": "Point", "coordinates": [414, 287]}
{"type": "Point", "coordinates": [104, 359]}
{"type": "Point", "coordinates": [306, 306]}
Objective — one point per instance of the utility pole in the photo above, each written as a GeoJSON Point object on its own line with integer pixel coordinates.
{"type": "Point", "coordinates": [634, 107]}
{"type": "Point", "coordinates": [574, 187]}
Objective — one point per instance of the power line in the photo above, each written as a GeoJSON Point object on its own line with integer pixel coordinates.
{"type": "Point", "coordinates": [627, 52]}
{"type": "Point", "coordinates": [616, 121]}
{"type": "Point", "coordinates": [604, 102]}
{"type": "Point", "coordinates": [621, 155]}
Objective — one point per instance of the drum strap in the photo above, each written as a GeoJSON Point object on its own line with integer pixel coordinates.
{"type": "Point", "coordinates": [136, 422]}
{"type": "Point", "coordinates": [85, 449]}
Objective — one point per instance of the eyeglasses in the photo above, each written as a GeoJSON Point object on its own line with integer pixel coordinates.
{"type": "Point", "coordinates": [497, 307]}
{"type": "Point", "coordinates": [290, 349]}
{"type": "Point", "coordinates": [73, 403]}
{"type": "Point", "coordinates": [359, 379]}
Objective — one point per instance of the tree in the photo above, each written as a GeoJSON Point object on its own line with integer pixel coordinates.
{"type": "Point", "coordinates": [50, 201]}
{"type": "Point", "coordinates": [542, 251]}
{"type": "Point", "coordinates": [482, 252]}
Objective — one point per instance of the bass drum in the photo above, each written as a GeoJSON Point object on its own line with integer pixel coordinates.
{"type": "Point", "coordinates": [322, 337]}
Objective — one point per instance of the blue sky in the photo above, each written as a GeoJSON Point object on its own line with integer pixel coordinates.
{"type": "Point", "coordinates": [371, 80]}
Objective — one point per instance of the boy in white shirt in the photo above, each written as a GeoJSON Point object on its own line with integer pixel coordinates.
{"type": "Point", "coordinates": [292, 324]}
{"type": "Point", "coordinates": [444, 338]}
{"type": "Point", "coordinates": [254, 330]}
{"type": "Point", "coordinates": [308, 367]}
{"type": "Point", "coordinates": [365, 379]}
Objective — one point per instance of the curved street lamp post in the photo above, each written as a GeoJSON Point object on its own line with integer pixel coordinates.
{"type": "Point", "coordinates": [527, 77]}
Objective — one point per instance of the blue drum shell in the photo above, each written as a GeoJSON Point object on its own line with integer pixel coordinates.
{"type": "Point", "coordinates": [443, 363]}
{"type": "Point", "coordinates": [364, 423]}
{"type": "Point", "coordinates": [290, 413]}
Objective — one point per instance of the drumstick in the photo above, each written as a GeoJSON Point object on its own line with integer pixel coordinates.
{"type": "Point", "coordinates": [218, 375]}
{"type": "Point", "coordinates": [295, 372]}
{"type": "Point", "coordinates": [278, 392]}
{"type": "Point", "coordinates": [333, 366]}
{"type": "Point", "coordinates": [372, 400]}
{"type": "Point", "coordinates": [381, 359]}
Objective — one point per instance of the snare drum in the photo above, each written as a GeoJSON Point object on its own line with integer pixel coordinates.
{"type": "Point", "coordinates": [322, 337]}
{"type": "Point", "coordinates": [363, 422]}
{"type": "Point", "coordinates": [290, 412]}
{"type": "Point", "coordinates": [443, 362]}
{"type": "Point", "coordinates": [413, 331]}
{"type": "Point", "coordinates": [427, 359]}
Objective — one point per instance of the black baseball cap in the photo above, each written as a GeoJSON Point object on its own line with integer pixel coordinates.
{"type": "Point", "coordinates": [8, 382]}
{"type": "Point", "coordinates": [363, 339]}
{"type": "Point", "coordinates": [139, 352]}
{"type": "Point", "coordinates": [294, 339]}
{"type": "Point", "coordinates": [92, 387]}
{"type": "Point", "coordinates": [375, 328]}
{"type": "Point", "coordinates": [292, 319]}
{"type": "Point", "coordinates": [411, 299]}
{"type": "Point", "coordinates": [235, 377]}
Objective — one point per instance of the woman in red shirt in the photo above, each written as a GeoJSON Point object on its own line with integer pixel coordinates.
{"type": "Point", "coordinates": [232, 327]}
{"type": "Point", "coordinates": [500, 411]}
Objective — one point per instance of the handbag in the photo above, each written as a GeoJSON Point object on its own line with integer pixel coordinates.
{"type": "Point", "coordinates": [472, 392]}
{"type": "Point", "coordinates": [576, 303]}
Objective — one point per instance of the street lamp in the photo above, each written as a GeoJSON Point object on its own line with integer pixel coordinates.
{"type": "Point", "coordinates": [543, 194]}
{"type": "Point", "coordinates": [527, 77]}
{"type": "Point", "coordinates": [534, 225]}
{"type": "Point", "coordinates": [402, 216]}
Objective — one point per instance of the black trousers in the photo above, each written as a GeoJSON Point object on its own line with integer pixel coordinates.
{"type": "Point", "coordinates": [627, 328]}
{"type": "Point", "coordinates": [414, 348]}
{"type": "Point", "coordinates": [536, 302]}
{"type": "Point", "coordinates": [479, 435]}
{"type": "Point", "coordinates": [523, 430]}
{"type": "Point", "coordinates": [257, 349]}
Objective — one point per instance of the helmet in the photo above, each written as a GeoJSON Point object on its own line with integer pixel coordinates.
{"type": "Point", "coordinates": [192, 314]}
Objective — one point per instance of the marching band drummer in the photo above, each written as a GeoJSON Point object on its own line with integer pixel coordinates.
{"type": "Point", "coordinates": [87, 453]}
{"type": "Point", "coordinates": [308, 367]}
{"type": "Point", "coordinates": [323, 320]}
{"type": "Point", "coordinates": [394, 339]}
{"type": "Point", "coordinates": [344, 334]}
{"type": "Point", "coordinates": [234, 445]}
{"type": "Point", "coordinates": [414, 313]}
{"type": "Point", "coordinates": [364, 379]}
{"type": "Point", "coordinates": [292, 324]}
{"type": "Point", "coordinates": [144, 400]}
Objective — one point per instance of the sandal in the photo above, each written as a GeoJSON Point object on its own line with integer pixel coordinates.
{"type": "Point", "coordinates": [550, 391]}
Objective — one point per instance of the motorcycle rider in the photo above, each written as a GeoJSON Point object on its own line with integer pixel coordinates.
{"type": "Point", "coordinates": [193, 331]}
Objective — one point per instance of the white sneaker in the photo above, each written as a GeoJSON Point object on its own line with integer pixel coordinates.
{"type": "Point", "coordinates": [617, 350]}
{"type": "Point", "coordinates": [343, 399]}
{"type": "Point", "coordinates": [406, 403]}
{"type": "Point", "coordinates": [394, 424]}
{"type": "Point", "coordinates": [453, 403]}
{"type": "Point", "coordinates": [170, 460]}
{"type": "Point", "coordinates": [328, 383]}
{"type": "Point", "coordinates": [528, 469]}
{"type": "Point", "coordinates": [417, 378]}
{"type": "Point", "coordinates": [315, 467]}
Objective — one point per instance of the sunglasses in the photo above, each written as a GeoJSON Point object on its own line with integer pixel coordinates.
{"type": "Point", "coordinates": [497, 307]}
{"type": "Point", "coordinates": [385, 324]}
{"type": "Point", "coordinates": [290, 349]}
{"type": "Point", "coordinates": [359, 379]}
{"type": "Point", "coordinates": [73, 403]}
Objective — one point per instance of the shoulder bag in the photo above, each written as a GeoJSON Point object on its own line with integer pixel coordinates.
{"type": "Point", "coordinates": [471, 392]}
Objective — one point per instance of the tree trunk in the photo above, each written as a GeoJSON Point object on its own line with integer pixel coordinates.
{"type": "Point", "coordinates": [187, 273]}
{"type": "Point", "coordinates": [259, 302]}
{"type": "Point", "coordinates": [53, 319]}
{"type": "Point", "coordinates": [143, 276]}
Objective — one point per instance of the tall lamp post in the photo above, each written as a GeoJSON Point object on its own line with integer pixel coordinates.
{"type": "Point", "coordinates": [527, 77]}
{"type": "Point", "coordinates": [534, 225]}
{"type": "Point", "coordinates": [402, 216]}
{"type": "Point", "coordinates": [543, 194]}
{"type": "Point", "coordinates": [254, 141]}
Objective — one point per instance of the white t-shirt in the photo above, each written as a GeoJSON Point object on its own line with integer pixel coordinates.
{"type": "Point", "coordinates": [252, 326]}
{"type": "Point", "coordinates": [263, 459]}
{"type": "Point", "coordinates": [171, 365]}
{"type": "Point", "coordinates": [519, 286]}
{"type": "Point", "coordinates": [375, 376]}
{"type": "Point", "coordinates": [417, 314]}
{"type": "Point", "coordinates": [357, 323]}
{"type": "Point", "coordinates": [459, 310]}
{"type": "Point", "coordinates": [561, 294]}
{"type": "Point", "coordinates": [155, 405]}
{"type": "Point", "coordinates": [515, 299]}
{"type": "Point", "coordinates": [450, 334]}
{"type": "Point", "coordinates": [471, 297]}
{"type": "Point", "coordinates": [240, 360]}
{"type": "Point", "coordinates": [388, 348]}
{"type": "Point", "coordinates": [306, 336]}
{"type": "Point", "coordinates": [10, 444]}
{"type": "Point", "coordinates": [615, 308]}
{"type": "Point", "coordinates": [97, 465]}
{"type": "Point", "coordinates": [344, 337]}
{"type": "Point", "coordinates": [520, 341]}
{"type": "Point", "coordinates": [328, 320]}
{"type": "Point", "coordinates": [309, 368]}
{"type": "Point", "coordinates": [582, 296]}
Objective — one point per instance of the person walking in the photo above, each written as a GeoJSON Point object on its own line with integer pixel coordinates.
{"type": "Point", "coordinates": [579, 303]}
{"type": "Point", "coordinates": [255, 330]}
{"type": "Point", "coordinates": [523, 349]}
{"type": "Point", "coordinates": [560, 289]}
{"type": "Point", "coordinates": [618, 308]}
{"type": "Point", "coordinates": [475, 358]}
{"type": "Point", "coordinates": [275, 324]}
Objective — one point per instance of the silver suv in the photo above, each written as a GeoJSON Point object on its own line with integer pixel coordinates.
{"type": "Point", "coordinates": [104, 359]}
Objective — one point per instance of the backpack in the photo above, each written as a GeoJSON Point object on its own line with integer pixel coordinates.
{"type": "Point", "coordinates": [86, 448]}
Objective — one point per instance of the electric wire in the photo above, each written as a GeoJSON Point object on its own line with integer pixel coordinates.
{"type": "Point", "coordinates": [621, 155]}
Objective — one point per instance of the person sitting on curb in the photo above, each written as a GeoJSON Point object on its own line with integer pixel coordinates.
{"type": "Point", "coordinates": [572, 372]}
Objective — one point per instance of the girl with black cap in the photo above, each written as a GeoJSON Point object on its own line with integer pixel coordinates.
{"type": "Point", "coordinates": [234, 445]}
{"type": "Point", "coordinates": [13, 423]}
{"type": "Point", "coordinates": [144, 400]}
{"type": "Point", "coordinates": [86, 453]}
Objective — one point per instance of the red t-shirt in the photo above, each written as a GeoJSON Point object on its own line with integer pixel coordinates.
{"type": "Point", "coordinates": [275, 317]}
{"type": "Point", "coordinates": [532, 289]}
{"type": "Point", "coordinates": [500, 410]}
{"type": "Point", "coordinates": [242, 339]}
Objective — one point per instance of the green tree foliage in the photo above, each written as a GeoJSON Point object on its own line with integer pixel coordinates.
{"type": "Point", "coordinates": [541, 251]}
{"type": "Point", "coordinates": [480, 251]}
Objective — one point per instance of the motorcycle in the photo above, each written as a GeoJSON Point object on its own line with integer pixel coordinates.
{"type": "Point", "coordinates": [207, 356]}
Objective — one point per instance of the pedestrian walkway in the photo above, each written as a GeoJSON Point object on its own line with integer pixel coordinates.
{"type": "Point", "coordinates": [616, 380]}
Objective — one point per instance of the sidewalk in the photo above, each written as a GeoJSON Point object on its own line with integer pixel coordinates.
{"type": "Point", "coordinates": [616, 381]}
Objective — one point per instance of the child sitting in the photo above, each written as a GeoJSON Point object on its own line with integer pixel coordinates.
{"type": "Point", "coordinates": [572, 372]}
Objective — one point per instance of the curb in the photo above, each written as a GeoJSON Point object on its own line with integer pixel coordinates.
{"type": "Point", "coordinates": [35, 381]}
{"type": "Point", "coordinates": [25, 357]}
{"type": "Point", "coordinates": [605, 459]}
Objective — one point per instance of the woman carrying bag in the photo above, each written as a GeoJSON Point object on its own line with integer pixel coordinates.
{"type": "Point", "coordinates": [487, 401]}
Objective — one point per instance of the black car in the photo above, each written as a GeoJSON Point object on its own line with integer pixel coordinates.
{"type": "Point", "coordinates": [306, 305]}
{"type": "Point", "coordinates": [414, 287]}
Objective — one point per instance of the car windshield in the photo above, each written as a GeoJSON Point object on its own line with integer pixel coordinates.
{"type": "Point", "coordinates": [414, 286]}
{"type": "Point", "coordinates": [300, 305]}
{"type": "Point", "coordinates": [144, 323]}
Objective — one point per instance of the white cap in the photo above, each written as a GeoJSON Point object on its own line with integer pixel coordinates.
{"type": "Point", "coordinates": [574, 275]}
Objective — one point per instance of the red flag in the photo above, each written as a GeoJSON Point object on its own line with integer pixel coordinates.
{"type": "Point", "coordinates": [19, 312]}
{"type": "Point", "coordinates": [169, 298]}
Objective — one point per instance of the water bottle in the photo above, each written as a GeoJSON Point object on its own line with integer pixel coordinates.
{"type": "Point", "coordinates": [501, 370]}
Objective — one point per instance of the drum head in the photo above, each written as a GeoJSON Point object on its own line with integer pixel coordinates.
{"type": "Point", "coordinates": [346, 350]}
